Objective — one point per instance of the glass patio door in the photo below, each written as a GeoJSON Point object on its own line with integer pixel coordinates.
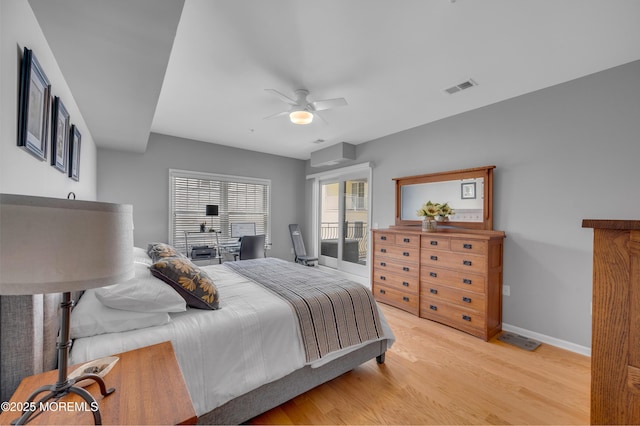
{"type": "Point", "coordinates": [344, 215]}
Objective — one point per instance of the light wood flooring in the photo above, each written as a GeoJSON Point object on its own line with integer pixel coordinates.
{"type": "Point", "coordinates": [434, 374]}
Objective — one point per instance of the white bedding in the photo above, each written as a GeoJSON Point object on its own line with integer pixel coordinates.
{"type": "Point", "coordinates": [251, 340]}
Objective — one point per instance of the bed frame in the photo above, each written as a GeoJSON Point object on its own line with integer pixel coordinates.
{"type": "Point", "coordinates": [28, 332]}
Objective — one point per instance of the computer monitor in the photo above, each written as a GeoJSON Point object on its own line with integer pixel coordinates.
{"type": "Point", "coordinates": [239, 230]}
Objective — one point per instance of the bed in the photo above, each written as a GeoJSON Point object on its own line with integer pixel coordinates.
{"type": "Point", "coordinates": [251, 354]}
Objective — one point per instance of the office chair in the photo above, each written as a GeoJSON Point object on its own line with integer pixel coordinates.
{"type": "Point", "coordinates": [251, 247]}
{"type": "Point", "coordinates": [298, 246]}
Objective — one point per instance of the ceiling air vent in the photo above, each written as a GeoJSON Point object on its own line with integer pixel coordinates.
{"type": "Point", "coordinates": [462, 86]}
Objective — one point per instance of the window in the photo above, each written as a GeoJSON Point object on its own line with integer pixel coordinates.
{"type": "Point", "coordinates": [357, 196]}
{"type": "Point", "coordinates": [240, 201]}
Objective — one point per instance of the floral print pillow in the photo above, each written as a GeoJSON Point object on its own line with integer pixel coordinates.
{"type": "Point", "coordinates": [191, 282]}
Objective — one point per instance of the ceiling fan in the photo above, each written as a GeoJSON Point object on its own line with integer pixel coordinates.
{"type": "Point", "coordinates": [302, 111]}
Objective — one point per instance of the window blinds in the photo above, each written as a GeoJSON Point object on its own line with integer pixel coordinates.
{"type": "Point", "coordinates": [239, 200]}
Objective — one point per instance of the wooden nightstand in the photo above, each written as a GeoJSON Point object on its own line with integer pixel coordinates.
{"type": "Point", "coordinates": [150, 389]}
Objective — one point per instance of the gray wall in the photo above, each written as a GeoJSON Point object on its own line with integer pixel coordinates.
{"type": "Point", "coordinates": [143, 181]}
{"type": "Point", "coordinates": [562, 154]}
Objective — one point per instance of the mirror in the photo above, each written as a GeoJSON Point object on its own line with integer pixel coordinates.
{"type": "Point", "coordinates": [469, 192]}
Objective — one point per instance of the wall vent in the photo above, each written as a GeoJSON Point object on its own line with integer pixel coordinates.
{"type": "Point", "coordinates": [461, 86]}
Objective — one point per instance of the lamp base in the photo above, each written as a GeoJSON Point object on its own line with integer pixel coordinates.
{"type": "Point", "coordinates": [59, 390]}
{"type": "Point", "coordinates": [64, 386]}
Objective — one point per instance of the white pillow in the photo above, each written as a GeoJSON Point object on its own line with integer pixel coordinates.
{"type": "Point", "coordinates": [140, 255]}
{"type": "Point", "coordinates": [144, 293]}
{"type": "Point", "coordinates": [90, 318]}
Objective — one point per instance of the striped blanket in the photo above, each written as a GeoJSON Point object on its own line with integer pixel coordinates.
{"type": "Point", "coordinates": [333, 313]}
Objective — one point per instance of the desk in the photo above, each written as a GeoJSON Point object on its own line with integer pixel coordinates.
{"type": "Point", "coordinates": [150, 389]}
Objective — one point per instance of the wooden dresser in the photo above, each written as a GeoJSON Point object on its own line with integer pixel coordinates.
{"type": "Point", "coordinates": [453, 275]}
{"type": "Point", "coordinates": [615, 343]}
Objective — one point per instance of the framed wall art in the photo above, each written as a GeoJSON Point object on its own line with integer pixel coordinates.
{"type": "Point", "coordinates": [468, 190]}
{"type": "Point", "coordinates": [33, 107]}
{"type": "Point", "coordinates": [60, 136]}
{"type": "Point", "coordinates": [74, 153]}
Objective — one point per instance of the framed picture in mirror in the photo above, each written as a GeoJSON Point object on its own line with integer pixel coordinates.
{"type": "Point", "coordinates": [468, 190]}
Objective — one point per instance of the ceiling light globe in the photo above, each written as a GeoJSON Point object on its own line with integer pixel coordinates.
{"type": "Point", "coordinates": [301, 117]}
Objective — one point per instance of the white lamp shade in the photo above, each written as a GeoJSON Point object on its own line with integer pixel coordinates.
{"type": "Point", "coordinates": [51, 245]}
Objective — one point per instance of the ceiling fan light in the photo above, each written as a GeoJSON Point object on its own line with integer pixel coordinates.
{"type": "Point", "coordinates": [301, 117]}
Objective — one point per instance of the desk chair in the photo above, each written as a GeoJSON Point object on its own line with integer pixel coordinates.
{"type": "Point", "coordinates": [298, 246]}
{"type": "Point", "coordinates": [251, 247]}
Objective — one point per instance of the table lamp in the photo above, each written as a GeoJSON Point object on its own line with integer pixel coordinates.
{"type": "Point", "coordinates": [211, 210]}
{"type": "Point", "coordinates": [51, 245]}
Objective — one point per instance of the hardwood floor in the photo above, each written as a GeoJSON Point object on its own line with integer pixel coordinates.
{"type": "Point", "coordinates": [434, 374]}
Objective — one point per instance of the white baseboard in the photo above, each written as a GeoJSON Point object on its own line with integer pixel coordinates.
{"type": "Point", "coordinates": [563, 344]}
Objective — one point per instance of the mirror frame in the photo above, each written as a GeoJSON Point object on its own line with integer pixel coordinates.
{"type": "Point", "coordinates": [478, 172]}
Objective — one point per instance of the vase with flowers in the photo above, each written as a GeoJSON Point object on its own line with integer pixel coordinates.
{"type": "Point", "coordinates": [432, 213]}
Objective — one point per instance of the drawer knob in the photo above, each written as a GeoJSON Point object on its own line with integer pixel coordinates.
{"type": "Point", "coordinates": [434, 257]}
{"type": "Point", "coordinates": [383, 237]}
{"type": "Point", "coordinates": [406, 240]}
{"type": "Point", "coordinates": [466, 299]}
{"type": "Point", "coordinates": [466, 317]}
{"type": "Point", "coordinates": [383, 278]}
{"type": "Point", "coordinates": [433, 307]}
{"type": "Point", "coordinates": [405, 268]}
{"type": "Point", "coordinates": [382, 291]}
{"type": "Point", "coordinates": [383, 250]}
{"type": "Point", "coordinates": [405, 298]}
{"type": "Point", "coordinates": [383, 263]}
{"type": "Point", "coordinates": [433, 274]}
{"type": "Point", "coordinates": [466, 262]}
{"type": "Point", "coordinates": [433, 243]}
{"type": "Point", "coordinates": [405, 253]}
{"type": "Point", "coordinates": [433, 291]}
{"type": "Point", "coordinates": [404, 283]}
{"type": "Point", "coordinates": [466, 281]}
{"type": "Point", "coordinates": [467, 246]}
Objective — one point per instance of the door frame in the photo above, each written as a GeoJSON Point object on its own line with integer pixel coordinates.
{"type": "Point", "coordinates": [339, 174]}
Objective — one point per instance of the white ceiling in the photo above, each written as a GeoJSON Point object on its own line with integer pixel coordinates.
{"type": "Point", "coordinates": [390, 59]}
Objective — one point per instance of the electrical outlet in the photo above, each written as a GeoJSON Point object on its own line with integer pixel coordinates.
{"type": "Point", "coordinates": [506, 290]}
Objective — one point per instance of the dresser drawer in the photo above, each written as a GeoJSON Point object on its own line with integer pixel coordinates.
{"type": "Point", "coordinates": [434, 242]}
{"type": "Point", "coordinates": [405, 240]}
{"type": "Point", "coordinates": [466, 299]}
{"type": "Point", "coordinates": [453, 315]}
{"type": "Point", "coordinates": [385, 237]}
{"type": "Point", "coordinates": [458, 261]}
{"type": "Point", "coordinates": [404, 283]}
{"type": "Point", "coordinates": [469, 246]}
{"type": "Point", "coordinates": [397, 298]}
{"type": "Point", "coordinates": [462, 280]}
{"type": "Point", "coordinates": [391, 265]}
{"type": "Point", "coordinates": [410, 255]}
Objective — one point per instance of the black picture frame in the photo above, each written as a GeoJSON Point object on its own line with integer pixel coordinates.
{"type": "Point", "coordinates": [75, 139]}
{"type": "Point", "coordinates": [33, 107]}
{"type": "Point", "coordinates": [60, 136]}
{"type": "Point", "coordinates": [468, 190]}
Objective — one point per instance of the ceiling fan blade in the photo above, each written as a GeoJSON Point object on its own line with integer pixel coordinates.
{"type": "Point", "coordinates": [282, 96]}
{"type": "Point", "coordinates": [328, 104]}
{"type": "Point", "coordinates": [277, 114]}
{"type": "Point", "coordinates": [317, 114]}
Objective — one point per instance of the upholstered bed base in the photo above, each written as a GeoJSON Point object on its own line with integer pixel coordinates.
{"type": "Point", "coordinates": [300, 381]}
{"type": "Point", "coordinates": [28, 332]}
